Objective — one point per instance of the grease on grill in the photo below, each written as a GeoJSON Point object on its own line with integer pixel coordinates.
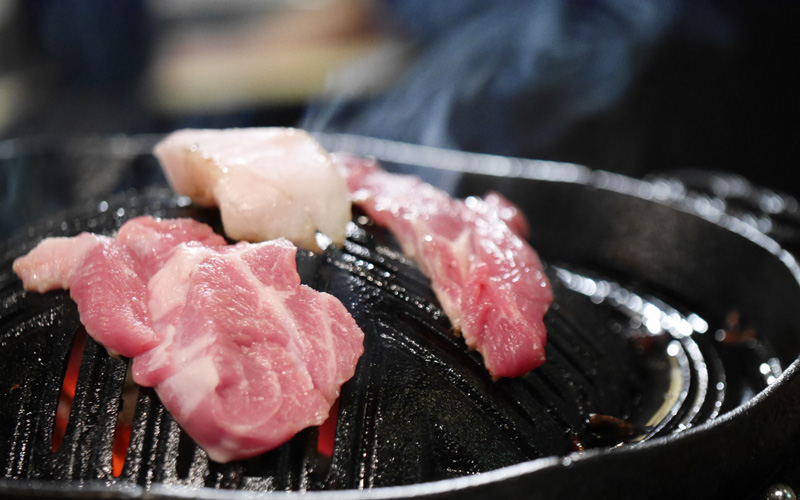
{"type": "Point", "coordinates": [610, 425]}
{"type": "Point", "coordinates": [733, 331]}
{"type": "Point", "coordinates": [576, 444]}
{"type": "Point", "coordinates": [608, 430]}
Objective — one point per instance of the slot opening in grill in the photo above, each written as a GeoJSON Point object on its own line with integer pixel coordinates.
{"type": "Point", "coordinates": [70, 381]}
{"type": "Point", "coordinates": [122, 430]}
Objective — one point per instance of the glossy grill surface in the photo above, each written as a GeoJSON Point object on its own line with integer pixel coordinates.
{"type": "Point", "coordinates": [637, 353]}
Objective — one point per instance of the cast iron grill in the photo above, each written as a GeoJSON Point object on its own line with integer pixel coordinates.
{"type": "Point", "coordinates": [421, 407]}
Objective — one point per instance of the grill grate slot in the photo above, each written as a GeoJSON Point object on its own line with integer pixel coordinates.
{"type": "Point", "coordinates": [39, 342]}
{"type": "Point", "coordinates": [122, 429]}
{"type": "Point", "coordinates": [70, 381]}
{"type": "Point", "coordinates": [153, 450]}
{"type": "Point", "coordinates": [87, 447]}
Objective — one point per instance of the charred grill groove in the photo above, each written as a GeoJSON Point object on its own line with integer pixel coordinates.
{"type": "Point", "coordinates": [40, 345]}
{"type": "Point", "coordinates": [356, 430]}
{"type": "Point", "coordinates": [576, 367]}
{"type": "Point", "coordinates": [574, 344]}
{"type": "Point", "coordinates": [93, 416]}
{"type": "Point", "coordinates": [153, 449]}
{"type": "Point", "coordinates": [185, 458]}
{"type": "Point", "coordinates": [69, 383]}
{"type": "Point", "coordinates": [462, 372]}
{"type": "Point", "coordinates": [545, 396]}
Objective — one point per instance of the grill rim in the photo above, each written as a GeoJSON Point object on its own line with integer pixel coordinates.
{"type": "Point", "coordinates": [771, 409]}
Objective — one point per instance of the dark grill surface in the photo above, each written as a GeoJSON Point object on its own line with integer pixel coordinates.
{"type": "Point", "coordinates": [420, 407]}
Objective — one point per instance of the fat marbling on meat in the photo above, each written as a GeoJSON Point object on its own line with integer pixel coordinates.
{"type": "Point", "coordinates": [240, 352]}
{"type": "Point", "coordinates": [107, 274]}
{"type": "Point", "coordinates": [267, 182]}
{"type": "Point", "coordinates": [488, 279]}
{"type": "Point", "coordinates": [244, 369]}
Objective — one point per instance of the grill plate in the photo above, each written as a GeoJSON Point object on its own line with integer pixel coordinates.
{"type": "Point", "coordinates": [421, 407]}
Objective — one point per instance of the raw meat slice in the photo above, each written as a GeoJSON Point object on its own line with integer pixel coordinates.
{"type": "Point", "coordinates": [508, 213]}
{"type": "Point", "coordinates": [245, 370]}
{"type": "Point", "coordinates": [50, 265]}
{"type": "Point", "coordinates": [110, 288]}
{"type": "Point", "coordinates": [107, 277]}
{"type": "Point", "coordinates": [487, 278]}
{"type": "Point", "coordinates": [268, 182]}
{"type": "Point", "coordinates": [241, 353]}
{"type": "Point", "coordinates": [105, 280]}
{"type": "Point", "coordinates": [151, 240]}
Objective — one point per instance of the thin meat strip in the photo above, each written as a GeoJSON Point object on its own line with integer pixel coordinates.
{"type": "Point", "coordinates": [488, 279]}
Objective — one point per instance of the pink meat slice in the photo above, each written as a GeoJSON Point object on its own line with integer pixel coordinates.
{"type": "Point", "coordinates": [102, 277]}
{"type": "Point", "coordinates": [151, 240]}
{"type": "Point", "coordinates": [51, 264]}
{"type": "Point", "coordinates": [488, 279]}
{"type": "Point", "coordinates": [110, 288]}
{"type": "Point", "coordinates": [107, 277]}
{"type": "Point", "coordinates": [240, 352]}
{"type": "Point", "coordinates": [245, 370]}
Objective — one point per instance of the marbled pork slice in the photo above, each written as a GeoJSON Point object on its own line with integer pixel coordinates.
{"type": "Point", "coordinates": [107, 283]}
{"type": "Point", "coordinates": [51, 264]}
{"type": "Point", "coordinates": [241, 353]}
{"type": "Point", "coordinates": [267, 182]}
{"type": "Point", "coordinates": [487, 278]}
{"type": "Point", "coordinates": [151, 240]}
{"type": "Point", "coordinates": [107, 277]}
{"type": "Point", "coordinates": [250, 356]}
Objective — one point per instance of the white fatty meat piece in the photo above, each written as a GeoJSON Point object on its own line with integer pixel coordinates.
{"type": "Point", "coordinates": [267, 182]}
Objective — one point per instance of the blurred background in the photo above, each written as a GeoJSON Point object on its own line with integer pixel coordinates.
{"type": "Point", "coordinates": [631, 86]}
